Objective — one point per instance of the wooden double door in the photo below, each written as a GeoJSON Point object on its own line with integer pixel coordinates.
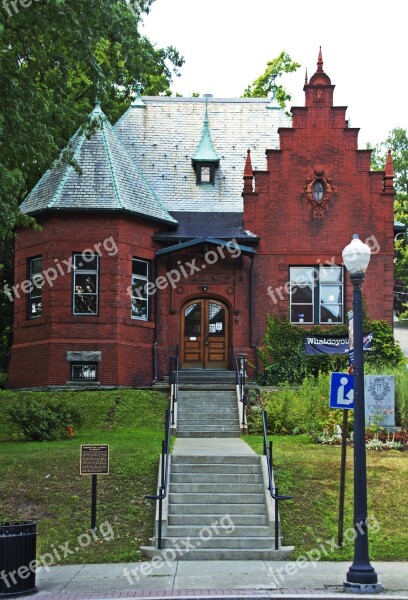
{"type": "Point", "coordinates": [204, 334]}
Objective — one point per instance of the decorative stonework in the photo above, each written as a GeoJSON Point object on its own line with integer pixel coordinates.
{"type": "Point", "coordinates": [318, 190]}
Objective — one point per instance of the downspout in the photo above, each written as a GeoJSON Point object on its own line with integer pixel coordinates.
{"type": "Point", "coordinates": [156, 313]}
{"type": "Point", "coordinates": [251, 303]}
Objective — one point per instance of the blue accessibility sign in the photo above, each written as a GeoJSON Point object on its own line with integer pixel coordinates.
{"type": "Point", "coordinates": [341, 391]}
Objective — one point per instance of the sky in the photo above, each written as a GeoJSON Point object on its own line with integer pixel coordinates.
{"type": "Point", "coordinates": [227, 44]}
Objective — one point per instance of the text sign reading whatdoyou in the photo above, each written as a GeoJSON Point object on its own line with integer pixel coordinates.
{"type": "Point", "coordinates": [94, 459]}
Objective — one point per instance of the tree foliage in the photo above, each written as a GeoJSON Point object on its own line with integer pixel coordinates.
{"type": "Point", "coordinates": [397, 142]}
{"type": "Point", "coordinates": [265, 83]}
{"type": "Point", "coordinates": [56, 57]}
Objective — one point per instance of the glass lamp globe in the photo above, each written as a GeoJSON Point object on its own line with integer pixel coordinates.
{"type": "Point", "coordinates": [356, 256]}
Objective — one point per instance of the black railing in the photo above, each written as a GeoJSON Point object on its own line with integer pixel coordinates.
{"type": "Point", "coordinates": [272, 489]}
{"type": "Point", "coordinates": [164, 476]}
{"type": "Point", "coordinates": [240, 370]}
{"type": "Point", "coordinates": [174, 383]}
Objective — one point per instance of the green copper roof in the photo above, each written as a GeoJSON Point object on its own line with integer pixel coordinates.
{"type": "Point", "coordinates": [107, 178]}
{"type": "Point", "coordinates": [205, 151]}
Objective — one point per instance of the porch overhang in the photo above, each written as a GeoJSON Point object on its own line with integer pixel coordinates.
{"type": "Point", "coordinates": [246, 250]}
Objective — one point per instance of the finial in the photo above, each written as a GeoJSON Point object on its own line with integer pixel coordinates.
{"type": "Point", "coordinates": [274, 104]}
{"type": "Point", "coordinates": [248, 165]}
{"type": "Point", "coordinates": [248, 173]}
{"type": "Point", "coordinates": [389, 167]}
{"type": "Point", "coordinates": [306, 78]}
{"type": "Point", "coordinates": [320, 60]}
{"type": "Point", "coordinates": [138, 102]}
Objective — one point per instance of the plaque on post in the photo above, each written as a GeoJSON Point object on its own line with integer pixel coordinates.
{"type": "Point", "coordinates": [379, 392]}
{"type": "Point", "coordinates": [94, 461]}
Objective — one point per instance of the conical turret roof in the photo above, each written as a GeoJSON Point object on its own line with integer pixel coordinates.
{"type": "Point", "coordinates": [104, 178]}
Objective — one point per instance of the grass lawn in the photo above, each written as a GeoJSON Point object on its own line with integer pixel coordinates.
{"type": "Point", "coordinates": [311, 474]}
{"type": "Point", "coordinates": [41, 481]}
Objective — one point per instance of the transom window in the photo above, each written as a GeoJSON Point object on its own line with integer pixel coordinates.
{"type": "Point", "coordinates": [205, 174]}
{"type": "Point", "coordinates": [85, 293]}
{"type": "Point", "coordinates": [83, 371]}
{"type": "Point", "coordinates": [37, 281]}
{"type": "Point", "coordinates": [140, 297]}
{"type": "Point", "coordinates": [317, 295]}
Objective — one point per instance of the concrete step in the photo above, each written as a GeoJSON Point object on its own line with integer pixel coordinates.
{"type": "Point", "coordinates": [208, 434]}
{"type": "Point", "coordinates": [220, 530]}
{"type": "Point", "coordinates": [208, 386]}
{"type": "Point", "coordinates": [215, 498]}
{"type": "Point", "coordinates": [208, 425]}
{"type": "Point", "coordinates": [203, 520]}
{"type": "Point", "coordinates": [226, 508]}
{"type": "Point", "coordinates": [204, 468]}
{"type": "Point", "coordinates": [226, 553]}
{"type": "Point", "coordinates": [208, 477]}
{"type": "Point", "coordinates": [219, 487]}
{"type": "Point", "coordinates": [223, 542]}
{"type": "Point", "coordinates": [192, 459]}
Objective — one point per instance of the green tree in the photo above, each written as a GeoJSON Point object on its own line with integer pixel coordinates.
{"type": "Point", "coordinates": [56, 58]}
{"type": "Point", "coordinates": [263, 86]}
{"type": "Point", "coordinates": [397, 142]}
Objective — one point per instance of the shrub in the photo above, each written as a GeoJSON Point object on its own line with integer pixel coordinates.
{"type": "Point", "coordinates": [283, 358]}
{"type": "Point", "coordinates": [44, 420]}
{"type": "Point", "coordinates": [301, 410]}
{"type": "Point", "coordinates": [3, 379]}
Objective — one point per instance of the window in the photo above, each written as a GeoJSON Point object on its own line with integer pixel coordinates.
{"type": "Point", "coordinates": [318, 191]}
{"type": "Point", "coordinates": [37, 281]}
{"type": "Point", "coordinates": [83, 371]}
{"type": "Point", "coordinates": [140, 298]}
{"type": "Point", "coordinates": [205, 173]}
{"type": "Point", "coordinates": [316, 295]}
{"type": "Point", "coordinates": [86, 271]}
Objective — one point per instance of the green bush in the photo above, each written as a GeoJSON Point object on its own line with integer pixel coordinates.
{"type": "Point", "coordinates": [294, 411]}
{"type": "Point", "coordinates": [44, 420]}
{"type": "Point", "coordinates": [283, 358]}
{"type": "Point", "coordinates": [3, 379]}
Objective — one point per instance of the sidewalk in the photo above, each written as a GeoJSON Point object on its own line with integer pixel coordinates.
{"type": "Point", "coordinates": [214, 579]}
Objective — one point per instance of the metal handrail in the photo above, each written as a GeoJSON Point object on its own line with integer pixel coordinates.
{"type": "Point", "coordinates": [174, 382]}
{"type": "Point", "coordinates": [164, 480]}
{"type": "Point", "coordinates": [240, 369]}
{"type": "Point", "coordinates": [273, 490]}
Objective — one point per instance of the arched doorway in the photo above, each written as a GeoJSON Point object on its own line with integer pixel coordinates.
{"type": "Point", "coordinates": [204, 334]}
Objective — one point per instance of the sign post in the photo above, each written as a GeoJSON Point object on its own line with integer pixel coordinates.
{"type": "Point", "coordinates": [94, 461]}
{"type": "Point", "coordinates": [342, 396]}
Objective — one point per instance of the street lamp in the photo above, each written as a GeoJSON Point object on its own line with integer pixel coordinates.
{"type": "Point", "coordinates": [361, 576]}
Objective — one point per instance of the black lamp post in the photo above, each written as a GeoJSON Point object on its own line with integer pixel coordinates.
{"type": "Point", "coordinates": [361, 576]}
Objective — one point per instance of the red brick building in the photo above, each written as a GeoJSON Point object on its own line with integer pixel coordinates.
{"type": "Point", "coordinates": [173, 233]}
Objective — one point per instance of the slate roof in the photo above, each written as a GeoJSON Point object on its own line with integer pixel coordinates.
{"type": "Point", "coordinates": [163, 134]}
{"type": "Point", "coordinates": [109, 179]}
{"type": "Point", "coordinates": [214, 224]}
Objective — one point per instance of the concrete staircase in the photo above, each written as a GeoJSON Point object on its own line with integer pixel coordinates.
{"type": "Point", "coordinates": [207, 413]}
{"type": "Point", "coordinates": [218, 505]}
